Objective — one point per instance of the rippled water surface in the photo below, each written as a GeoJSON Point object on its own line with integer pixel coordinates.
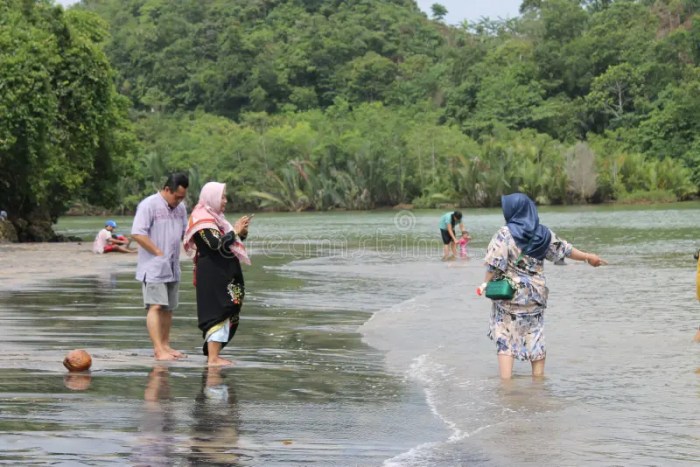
{"type": "Point", "coordinates": [359, 347]}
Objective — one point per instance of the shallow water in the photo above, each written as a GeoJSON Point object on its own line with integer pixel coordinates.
{"type": "Point", "coordinates": [622, 382]}
{"type": "Point", "coordinates": [359, 347]}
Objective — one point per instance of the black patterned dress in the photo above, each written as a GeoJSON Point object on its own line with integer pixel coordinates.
{"type": "Point", "coordinates": [219, 282]}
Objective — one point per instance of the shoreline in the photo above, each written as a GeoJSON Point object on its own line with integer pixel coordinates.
{"type": "Point", "coordinates": [97, 212]}
{"type": "Point", "coordinates": [29, 265]}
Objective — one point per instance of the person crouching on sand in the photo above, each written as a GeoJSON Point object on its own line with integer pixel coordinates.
{"type": "Point", "coordinates": [107, 241]}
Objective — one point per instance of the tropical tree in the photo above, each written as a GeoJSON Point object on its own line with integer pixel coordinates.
{"type": "Point", "coordinates": [63, 134]}
{"type": "Point", "coordinates": [439, 11]}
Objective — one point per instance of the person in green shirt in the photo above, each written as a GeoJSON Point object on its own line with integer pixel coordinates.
{"type": "Point", "coordinates": [447, 231]}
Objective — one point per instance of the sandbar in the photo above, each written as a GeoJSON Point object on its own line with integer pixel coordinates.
{"type": "Point", "coordinates": [31, 265]}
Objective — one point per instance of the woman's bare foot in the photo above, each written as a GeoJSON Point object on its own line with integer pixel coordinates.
{"type": "Point", "coordinates": [218, 361]}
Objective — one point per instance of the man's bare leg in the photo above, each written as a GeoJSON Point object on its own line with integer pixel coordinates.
{"type": "Point", "coordinates": [505, 366]}
{"type": "Point", "coordinates": [156, 377]}
{"type": "Point", "coordinates": [166, 325]}
{"type": "Point", "coordinates": [213, 359]}
{"type": "Point", "coordinates": [154, 325]}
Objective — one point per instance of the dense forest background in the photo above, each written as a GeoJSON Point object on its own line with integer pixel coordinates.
{"type": "Point", "coordinates": [354, 104]}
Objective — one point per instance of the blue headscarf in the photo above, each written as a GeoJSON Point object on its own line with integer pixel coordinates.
{"type": "Point", "coordinates": [524, 224]}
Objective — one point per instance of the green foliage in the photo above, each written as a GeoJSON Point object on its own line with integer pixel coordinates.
{"type": "Point", "coordinates": [439, 11]}
{"type": "Point", "coordinates": [63, 134]}
{"type": "Point", "coordinates": [352, 159]}
{"type": "Point", "coordinates": [615, 92]}
{"type": "Point", "coordinates": [647, 197]}
{"type": "Point", "coordinates": [229, 58]}
{"type": "Point", "coordinates": [673, 124]}
{"type": "Point", "coordinates": [325, 104]}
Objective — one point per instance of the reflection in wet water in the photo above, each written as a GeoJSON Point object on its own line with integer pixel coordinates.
{"type": "Point", "coordinates": [216, 417]}
{"type": "Point", "coordinates": [77, 381]}
{"type": "Point", "coordinates": [158, 442]}
{"type": "Point", "coordinates": [304, 388]}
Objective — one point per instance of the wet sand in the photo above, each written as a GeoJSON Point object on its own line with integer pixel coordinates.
{"type": "Point", "coordinates": [30, 265]}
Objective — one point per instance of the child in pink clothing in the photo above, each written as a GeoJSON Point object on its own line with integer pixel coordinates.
{"type": "Point", "coordinates": [462, 242]}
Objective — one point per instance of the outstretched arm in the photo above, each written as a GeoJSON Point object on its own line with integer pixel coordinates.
{"type": "Point", "coordinates": [451, 231]}
{"type": "Point", "coordinates": [591, 258]}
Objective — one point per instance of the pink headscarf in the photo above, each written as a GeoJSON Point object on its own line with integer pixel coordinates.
{"type": "Point", "coordinates": [208, 214]}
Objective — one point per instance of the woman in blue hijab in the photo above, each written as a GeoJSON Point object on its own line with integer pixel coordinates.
{"type": "Point", "coordinates": [517, 252]}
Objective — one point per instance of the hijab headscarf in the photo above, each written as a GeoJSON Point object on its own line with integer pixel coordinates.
{"type": "Point", "coordinates": [208, 214]}
{"type": "Point", "coordinates": [523, 222]}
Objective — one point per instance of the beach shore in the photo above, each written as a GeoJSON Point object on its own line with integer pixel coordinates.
{"type": "Point", "coordinates": [31, 266]}
{"type": "Point", "coordinates": [28, 265]}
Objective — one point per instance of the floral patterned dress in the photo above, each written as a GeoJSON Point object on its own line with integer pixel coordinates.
{"type": "Point", "coordinates": [517, 325]}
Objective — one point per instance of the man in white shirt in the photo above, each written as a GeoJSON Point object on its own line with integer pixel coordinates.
{"type": "Point", "coordinates": [106, 241]}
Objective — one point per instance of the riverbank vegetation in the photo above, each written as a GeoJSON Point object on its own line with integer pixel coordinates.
{"type": "Point", "coordinates": [323, 104]}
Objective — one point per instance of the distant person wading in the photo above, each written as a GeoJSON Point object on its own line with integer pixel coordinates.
{"type": "Point", "coordinates": [448, 221]}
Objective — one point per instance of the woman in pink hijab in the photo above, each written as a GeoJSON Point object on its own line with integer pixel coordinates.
{"type": "Point", "coordinates": [218, 278]}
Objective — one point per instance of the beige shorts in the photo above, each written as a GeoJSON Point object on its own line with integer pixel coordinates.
{"type": "Point", "coordinates": [164, 294]}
